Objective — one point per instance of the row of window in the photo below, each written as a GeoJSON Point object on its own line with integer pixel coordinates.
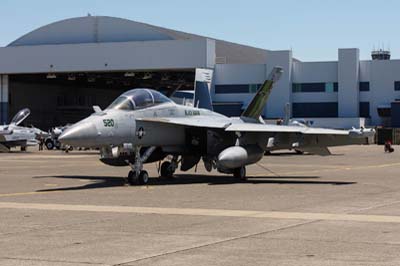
{"type": "Point", "coordinates": [329, 109]}
{"type": "Point", "coordinates": [324, 87]}
{"type": "Point", "coordinates": [332, 87]}
{"type": "Point", "coordinates": [299, 110]}
{"type": "Point", "coordinates": [244, 88]}
{"type": "Point", "coordinates": [315, 87]}
{"type": "Point", "coordinates": [328, 87]}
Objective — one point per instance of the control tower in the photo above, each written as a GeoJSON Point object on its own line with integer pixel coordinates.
{"type": "Point", "coordinates": [380, 54]}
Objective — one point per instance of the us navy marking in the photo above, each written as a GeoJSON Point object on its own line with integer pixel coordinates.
{"type": "Point", "coordinates": [140, 133]}
{"type": "Point", "coordinates": [190, 112]}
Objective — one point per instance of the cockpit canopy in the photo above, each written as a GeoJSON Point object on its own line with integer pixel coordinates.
{"type": "Point", "coordinates": [20, 116]}
{"type": "Point", "coordinates": [138, 99]}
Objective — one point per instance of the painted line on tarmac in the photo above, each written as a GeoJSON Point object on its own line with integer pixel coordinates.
{"type": "Point", "coordinates": [204, 212]}
{"type": "Point", "coordinates": [27, 193]}
{"type": "Point", "coordinates": [344, 168]}
{"type": "Point", "coordinates": [55, 156]}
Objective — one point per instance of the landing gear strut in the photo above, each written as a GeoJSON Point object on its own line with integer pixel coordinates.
{"type": "Point", "coordinates": [168, 168]}
{"type": "Point", "coordinates": [240, 173]}
{"type": "Point", "coordinates": [138, 176]}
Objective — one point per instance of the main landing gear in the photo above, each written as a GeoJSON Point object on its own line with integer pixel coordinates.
{"type": "Point", "coordinates": [240, 173]}
{"type": "Point", "coordinates": [138, 176]}
{"type": "Point", "coordinates": [168, 169]}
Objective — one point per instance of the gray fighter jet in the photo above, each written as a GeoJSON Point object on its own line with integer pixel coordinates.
{"type": "Point", "coordinates": [13, 135]}
{"type": "Point", "coordinates": [143, 126]}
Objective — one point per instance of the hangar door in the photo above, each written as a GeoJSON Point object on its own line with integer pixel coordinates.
{"type": "Point", "coordinates": [61, 98]}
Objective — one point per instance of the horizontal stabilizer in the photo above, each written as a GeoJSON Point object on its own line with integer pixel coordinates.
{"type": "Point", "coordinates": [4, 148]}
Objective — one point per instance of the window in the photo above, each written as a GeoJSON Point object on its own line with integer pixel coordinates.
{"type": "Point", "coordinates": [328, 87]}
{"type": "Point", "coordinates": [397, 85]}
{"type": "Point", "coordinates": [253, 88]}
{"type": "Point", "coordinates": [363, 86]}
{"type": "Point", "coordinates": [228, 109]}
{"type": "Point", "coordinates": [137, 99]}
{"type": "Point", "coordinates": [364, 109]}
{"type": "Point", "coordinates": [243, 88]}
{"type": "Point", "coordinates": [296, 87]}
{"type": "Point", "coordinates": [328, 109]}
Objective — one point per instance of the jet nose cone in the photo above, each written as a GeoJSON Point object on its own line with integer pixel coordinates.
{"type": "Point", "coordinates": [79, 135]}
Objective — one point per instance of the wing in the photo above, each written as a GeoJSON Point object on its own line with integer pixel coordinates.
{"type": "Point", "coordinates": [307, 139]}
{"type": "Point", "coordinates": [266, 128]}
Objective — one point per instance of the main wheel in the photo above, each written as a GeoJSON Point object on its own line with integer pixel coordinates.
{"type": "Point", "coordinates": [166, 170]}
{"type": "Point", "coordinates": [240, 173]}
{"type": "Point", "coordinates": [143, 178]}
{"type": "Point", "coordinates": [132, 178]}
{"type": "Point", "coordinates": [49, 144]}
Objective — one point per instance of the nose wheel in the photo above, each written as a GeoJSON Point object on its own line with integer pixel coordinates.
{"type": "Point", "coordinates": [138, 178]}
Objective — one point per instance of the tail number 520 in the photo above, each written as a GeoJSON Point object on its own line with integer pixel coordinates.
{"type": "Point", "coordinates": [108, 122]}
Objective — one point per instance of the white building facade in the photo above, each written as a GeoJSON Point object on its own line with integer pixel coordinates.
{"type": "Point", "coordinates": [344, 93]}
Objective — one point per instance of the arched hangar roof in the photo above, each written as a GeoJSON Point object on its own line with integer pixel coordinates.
{"type": "Point", "coordinates": [104, 29]}
{"type": "Point", "coordinates": [94, 29]}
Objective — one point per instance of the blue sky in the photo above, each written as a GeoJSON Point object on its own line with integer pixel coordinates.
{"type": "Point", "coordinates": [312, 29]}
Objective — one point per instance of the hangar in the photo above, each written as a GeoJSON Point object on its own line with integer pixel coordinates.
{"type": "Point", "coordinates": [62, 69]}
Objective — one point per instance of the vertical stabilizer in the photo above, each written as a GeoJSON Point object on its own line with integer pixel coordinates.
{"type": "Point", "coordinates": [257, 104]}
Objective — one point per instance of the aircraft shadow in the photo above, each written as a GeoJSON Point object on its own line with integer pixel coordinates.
{"type": "Point", "coordinates": [284, 154]}
{"type": "Point", "coordinates": [187, 179]}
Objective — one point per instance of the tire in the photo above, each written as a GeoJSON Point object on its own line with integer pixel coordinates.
{"type": "Point", "coordinates": [240, 173]}
{"type": "Point", "coordinates": [49, 145]}
{"type": "Point", "coordinates": [166, 170]}
{"type": "Point", "coordinates": [299, 152]}
{"type": "Point", "coordinates": [57, 144]}
{"type": "Point", "coordinates": [132, 178]}
{"type": "Point", "coordinates": [143, 178]}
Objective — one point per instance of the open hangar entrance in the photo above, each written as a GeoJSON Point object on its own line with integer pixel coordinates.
{"type": "Point", "coordinates": [57, 99]}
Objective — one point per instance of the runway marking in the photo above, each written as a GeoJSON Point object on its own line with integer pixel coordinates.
{"type": "Point", "coordinates": [26, 193]}
{"type": "Point", "coordinates": [50, 185]}
{"type": "Point", "coordinates": [345, 168]}
{"type": "Point", "coordinates": [205, 212]}
{"type": "Point", "coordinates": [56, 156]}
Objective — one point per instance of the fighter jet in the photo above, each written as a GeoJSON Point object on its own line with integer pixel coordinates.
{"type": "Point", "coordinates": [13, 135]}
{"type": "Point", "coordinates": [143, 126]}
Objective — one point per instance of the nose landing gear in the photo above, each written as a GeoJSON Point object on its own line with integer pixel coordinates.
{"type": "Point", "coordinates": [138, 176]}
